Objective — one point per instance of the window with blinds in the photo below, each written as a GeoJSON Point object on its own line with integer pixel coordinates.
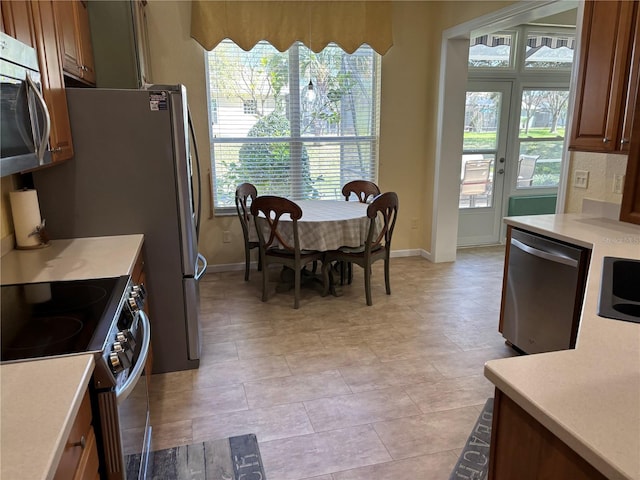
{"type": "Point", "coordinates": [297, 124]}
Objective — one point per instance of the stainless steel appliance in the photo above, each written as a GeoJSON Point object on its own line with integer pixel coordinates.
{"type": "Point", "coordinates": [132, 173]}
{"type": "Point", "coordinates": [24, 118]}
{"type": "Point", "coordinates": [543, 293]}
{"type": "Point", "coordinates": [100, 316]}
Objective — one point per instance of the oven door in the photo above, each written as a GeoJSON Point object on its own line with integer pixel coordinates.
{"type": "Point", "coordinates": [124, 413]}
{"type": "Point", "coordinates": [133, 410]}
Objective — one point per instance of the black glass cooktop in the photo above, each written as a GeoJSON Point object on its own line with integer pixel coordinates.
{"type": "Point", "coordinates": [57, 318]}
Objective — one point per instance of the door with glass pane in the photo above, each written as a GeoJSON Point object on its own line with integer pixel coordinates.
{"type": "Point", "coordinates": [540, 142]}
{"type": "Point", "coordinates": [482, 172]}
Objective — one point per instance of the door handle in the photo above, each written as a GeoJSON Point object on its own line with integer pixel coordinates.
{"type": "Point", "coordinates": [544, 255]}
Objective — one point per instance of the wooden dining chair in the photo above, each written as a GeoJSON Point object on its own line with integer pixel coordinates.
{"type": "Point", "coordinates": [267, 211]}
{"type": "Point", "coordinates": [364, 190]}
{"type": "Point", "coordinates": [244, 193]}
{"type": "Point", "coordinates": [377, 246]}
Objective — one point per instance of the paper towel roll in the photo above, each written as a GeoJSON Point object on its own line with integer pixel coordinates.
{"type": "Point", "coordinates": [26, 217]}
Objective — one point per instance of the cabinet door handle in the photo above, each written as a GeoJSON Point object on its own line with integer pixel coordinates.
{"type": "Point", "coordinates": [82, 443]}
{"type": "Point", "coordinates": [624, 141]}
{"type": "Point", "coordinates": [605, 140]}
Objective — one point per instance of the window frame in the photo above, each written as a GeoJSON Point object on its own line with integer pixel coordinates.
{"type": "Point", "coordinates": [302, 139]}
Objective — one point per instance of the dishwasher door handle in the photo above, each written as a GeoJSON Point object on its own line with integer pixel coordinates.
{"type": "Point", "coordinates": [553, 257]}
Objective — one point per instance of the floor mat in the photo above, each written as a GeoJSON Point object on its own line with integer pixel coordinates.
{"type": "Point", "coordinates": [474, 459]}
{"type": "Point", "coordinates": [233, 458]}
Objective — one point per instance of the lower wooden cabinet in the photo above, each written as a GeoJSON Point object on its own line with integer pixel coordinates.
{"type": "Point", "coordinates": [80, 457]}
{"type": "Point", "coordinates": [523, 448]}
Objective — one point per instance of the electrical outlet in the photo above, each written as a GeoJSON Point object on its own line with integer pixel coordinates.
{"type": "Point", "coordinates": [618, 183]}
{"type": "Point", "coordinates": [226, 236]}
{"type": "Point", "coordinates": [414, 223]}
{"type": "Point", "coordinates": [581, 179]}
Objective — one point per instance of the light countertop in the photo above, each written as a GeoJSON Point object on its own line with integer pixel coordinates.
{"type": "Point", "coordinates": [588, 397]}
{"type": "Point", "coordinates": [40, 400]}
{"type": "Point", "coordinates": [73, 259]}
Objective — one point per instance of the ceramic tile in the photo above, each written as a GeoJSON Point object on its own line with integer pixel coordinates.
{"type": "Point", "coordinates": [295, 388]}
{"type": "Point", "coordinates": [322, 453]}
{"type": "Point", "coordinates": [437, 466]}
{"type": "Point", "coordinates": [172, 406]}
{"type": "Point", "coordinates": [451, 393]}
{"type": "Point", "coordinates": [426, 434]}
{"type": "Point", "coordinates": [267, 424]}
{"type": "Point", "coordinates": [278, 345]}
{"type": "Point", "coordinates": [359, 408]}
{"type": "Point", "coordinates": [388, 374]}
{"type": "Point", "coordinates": [236, 372]}
{"type": "Point", "coordinates": [329, 359]}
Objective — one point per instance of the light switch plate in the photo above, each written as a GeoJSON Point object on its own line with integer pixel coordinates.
{"type": "Point", "coordinates": [618, 183]}
{"type": "Point", "coordinates": [581, 179]}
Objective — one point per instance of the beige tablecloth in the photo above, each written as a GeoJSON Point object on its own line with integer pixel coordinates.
{"type": "Point", "coordinates": [327, 225]}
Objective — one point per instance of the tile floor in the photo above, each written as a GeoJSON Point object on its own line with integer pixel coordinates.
{"type": "Point", "coordinates": [337, 390]}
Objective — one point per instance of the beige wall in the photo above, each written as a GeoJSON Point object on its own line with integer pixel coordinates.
{"type": "Point", "coordinates": [408, 110]}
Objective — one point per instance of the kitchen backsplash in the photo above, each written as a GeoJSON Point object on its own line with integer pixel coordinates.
{"type": "Point", "coordinates": [600, 187]}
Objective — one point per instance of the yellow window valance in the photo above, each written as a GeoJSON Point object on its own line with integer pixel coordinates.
{"type": "Point", "coordinates": [281, 23]}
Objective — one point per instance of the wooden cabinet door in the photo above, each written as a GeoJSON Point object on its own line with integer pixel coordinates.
{"type": "Point", "coordinates": [632, 88]}
{"type": "Point", "coordinates": [523, 448]}
{"type": "Point", "coordinates": [630, 207]}
{"type": "Point", "coordinates": [17, 22]}
{"type": "Point", "coordinates": [602, 76]}
{"type": "Point", "coordinates": [84, 42]}
{"type": "Point", "coordinates": [72, 19]}
{"type": "Point", "coordinates": [52, 80]}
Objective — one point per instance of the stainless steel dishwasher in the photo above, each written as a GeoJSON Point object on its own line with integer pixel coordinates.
{"type": "Point", "coordinates": [542, 293]}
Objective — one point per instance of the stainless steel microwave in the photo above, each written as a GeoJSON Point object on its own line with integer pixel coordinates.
{"type": "Point", "coordinates": [24, 119]}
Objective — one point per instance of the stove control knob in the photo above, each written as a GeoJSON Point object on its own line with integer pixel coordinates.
{"type": "Point", "coordinates": [133, 304]}
{"type": "Point", "coordinates": [119, 346]}
{"type": "Point", "coordinates": [140, 291]}
{"type": "Point", "coordinates": [116, 366]}
{"type": "Point", "coordinates": [121, 337]}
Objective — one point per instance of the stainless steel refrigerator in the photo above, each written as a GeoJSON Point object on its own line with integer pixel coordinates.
{"type": "Point", "coordinates": [132, 173]}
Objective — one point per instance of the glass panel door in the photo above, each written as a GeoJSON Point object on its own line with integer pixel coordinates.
{"type": "Point", "coordinates": [543, 117]}
{"type": "Point", "coordinates": [483, 162]}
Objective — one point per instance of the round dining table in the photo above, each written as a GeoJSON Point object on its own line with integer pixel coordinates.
{"type": "Point", "coordinates": [327, 225]}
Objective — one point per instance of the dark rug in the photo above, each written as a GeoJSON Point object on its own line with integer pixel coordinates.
{"type": "Point", "coordinates": [234, 458]}
{"type": "Point", "coordinates": [473, 463]}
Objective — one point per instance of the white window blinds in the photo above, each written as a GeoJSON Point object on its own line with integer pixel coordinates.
{"type": "Point", "coordinates": [296, 124]}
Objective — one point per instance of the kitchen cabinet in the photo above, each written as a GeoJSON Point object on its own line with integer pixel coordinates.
{"type": "Point", "coordinates": [80, 457]}
{"type": "Point", "coordinates": [522, 448]}
{"type": "Point", "coordinates": [120, 43]}
{"type": "Point", "coordinates": [33, 23]}
{"type": "Point", "coordinates": [630, 207]}
{"type": "Point", "coordinates": [607, 77]}
{"type": "Point", "coordinates": [72, 20]}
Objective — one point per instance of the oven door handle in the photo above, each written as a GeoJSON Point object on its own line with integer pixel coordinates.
{"type": "Point", "coordinates": [136, 373]}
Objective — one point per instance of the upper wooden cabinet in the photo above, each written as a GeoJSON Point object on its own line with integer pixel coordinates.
{"type": "Point", "coordinates": [33, 23]}
{"type": "Point", "coordinates": [72, 20]}
{"type": "Point", "coordinates": [607, 78]}
{"type": "Point", "coordinates": [120, 43]}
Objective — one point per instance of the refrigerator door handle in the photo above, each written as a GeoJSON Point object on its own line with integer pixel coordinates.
{"type": "Point", "coordinates": [201, 261]}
